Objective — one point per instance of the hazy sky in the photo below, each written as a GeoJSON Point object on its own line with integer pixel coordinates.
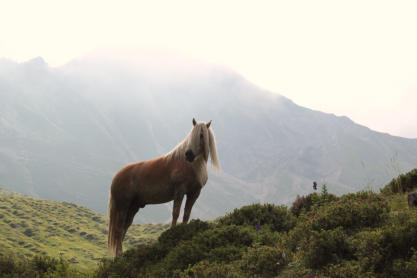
{"type": "Point", "coordinates": [353, 58]}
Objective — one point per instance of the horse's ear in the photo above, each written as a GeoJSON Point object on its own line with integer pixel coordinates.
{"type": "Point", "coordinates": [194, 122]}
{"type": "Point", "coordinates": [208, 124]}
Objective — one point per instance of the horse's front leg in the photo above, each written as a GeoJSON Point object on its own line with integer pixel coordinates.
{"type": "Point", "coordinates": [191, 198]}
{"type": "Point", "coordinates": [177, 206]}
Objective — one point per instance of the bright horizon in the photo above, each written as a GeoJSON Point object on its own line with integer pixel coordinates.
{"type": "Point", "coordinates": [355, 58]}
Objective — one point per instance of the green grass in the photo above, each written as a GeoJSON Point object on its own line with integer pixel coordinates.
{"type": "Point", "coordinates": [30, 227]}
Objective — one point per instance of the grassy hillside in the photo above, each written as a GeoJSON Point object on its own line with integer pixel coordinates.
{"type": "Point", "coordinates": [363, 234]}
{"type": "Point", "coordinates": [30, 227]}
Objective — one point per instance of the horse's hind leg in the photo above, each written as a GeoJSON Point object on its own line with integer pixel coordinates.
{"type": "Point", "coordinates": [124, 219]}
{"type": "Point", "coordinates": [133, 209]}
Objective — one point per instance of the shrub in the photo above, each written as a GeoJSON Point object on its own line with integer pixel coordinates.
{"type": "Point", "coordinates": [178, 249]}
{"type": "Point", "coordinates": [302, 204]}
{"type": "Point", "coordinates": [44, 264]}
{"type": "Point", "coordinates": [174, 235]}
{"type": "Point", "coordinates": [352, 211]}
{"type": "Point", "coordinates": [7, 265]}
{"type": "Point", "coordinates": [403, 183]}
{"type": "Point", "coordinates": [266, 237]}
{"type": "Point", "coordinates": [39, 266]}
{"type": "Point", "coordinates": [132, 262]}
{"type": "Point", "coordinates": [223, 244]}
{"type": "Point", "coordinates": [378, 249]}
{"type": "Point", "coordinates": [278, 218]}
{"type": "Point", "coordinates": [206, 269]}
{"type": "Point", "coordinates": [264, 261]}
{"type": "Point", "coordinates": [324, 247]}
{"type": "Point", "coordinates": [28, 232]}
{"type": "Point", "coordinates": [222, 236]}
{"type": "Point", "coordinates": [405, 268]}
{"type": "Point", "coordinates": [346, 269]}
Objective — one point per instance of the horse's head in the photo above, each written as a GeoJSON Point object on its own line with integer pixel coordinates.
{"type": "Point", "coordinates": [201, 143]}
{"type": "Point", "coordinates": [198, 143]}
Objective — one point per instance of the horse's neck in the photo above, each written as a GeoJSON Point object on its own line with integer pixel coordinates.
{"type": "Point", "coordinates": [178, 151]}
{"type": "Point", "coordinates": [200, 169]}
{"type": "Point", "coordinates": [199, 166]}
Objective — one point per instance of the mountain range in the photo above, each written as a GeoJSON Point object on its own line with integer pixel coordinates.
{"type": "Point", "coordinates": [65, 132]}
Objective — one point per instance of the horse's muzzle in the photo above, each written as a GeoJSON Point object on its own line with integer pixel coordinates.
{"type": "Point", "coordinates": [189, 156]}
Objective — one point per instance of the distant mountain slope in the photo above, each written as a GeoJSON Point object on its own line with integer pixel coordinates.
{"type": "Point", "coordinates": [64, 133]}
{"type": "Point", "coordinates": [31, 227]}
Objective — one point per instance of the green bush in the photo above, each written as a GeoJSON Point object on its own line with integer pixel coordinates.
{"type": "Point", "coordinates": [178, 249]}
{"type": "Point", "coordinates": [264, 261]}
{"type": "Point", "coordinates": [206, 269]}
{"type": "Point", "coordinates": [132, 262]}
{"type": "Point", "coordinates": [277, 218]}
{"type": "Point", "coordinates": [171, 237]}
{"type": "Point", "coordinates": [39, 267]}
{"type": "Point", "coordinates": [223, 244]}
{"type": "Point", "coordinates": [302, 204]}
{"type": "Point", "coordinates": [352, 211]}
{"type": "Point", "coordinates": [266, 237]}
{"type": "Point", "coordinates": [346, 269]}
{"type": "Point", "coordinates": [405, 268]}
{"type": "Point", "coordinates": [8, 266]}
{"type": "Point", "coordinates": [324, 247]}
{"type": "Point", "coordinates": [377, 250]}
{"type": "Point", "coordinates": [28, 232]}
{"type": "Point", "coordinates": [403, 183]}
{"type": "Point", "coordinates": [44, 264]}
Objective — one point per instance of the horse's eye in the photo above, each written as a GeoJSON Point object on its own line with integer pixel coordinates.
{"type": "Point", "coordinates": [201, 136]}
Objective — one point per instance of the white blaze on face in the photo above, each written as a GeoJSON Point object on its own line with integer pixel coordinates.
{"type": "Point", "coordinates": [201, 144]}
{"type": "Point", "coordinates": [199, 141]}
{"type": "Point", "coordinates": [204, 137]}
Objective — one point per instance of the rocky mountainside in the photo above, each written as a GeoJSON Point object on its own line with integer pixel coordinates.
{"type": "Point", "coordinates": [64, 133]}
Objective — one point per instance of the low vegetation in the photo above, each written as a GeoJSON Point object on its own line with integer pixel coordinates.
{"type": "Point", "coordinates": [31, 227]}
{"type": "Point", "coordinates": [363, 234]}
{"type": "Point", "coordinates": [401, 184]}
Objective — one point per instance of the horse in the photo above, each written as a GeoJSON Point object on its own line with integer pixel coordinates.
{"type": "Point", "coordinates": [182, 171]}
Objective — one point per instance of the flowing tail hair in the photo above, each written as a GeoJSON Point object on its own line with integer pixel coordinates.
{"type": "Point", "coordinates": [115, 236]}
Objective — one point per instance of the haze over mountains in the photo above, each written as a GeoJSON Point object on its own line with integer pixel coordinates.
{"type": "Point", "coordinates": [64, 133]}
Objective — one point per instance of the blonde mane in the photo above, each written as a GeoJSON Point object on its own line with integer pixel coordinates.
{"type": "Point", "coordinates": [179, 151]}
{"type": "Point", "coordinates": [200, 163]}
{"type": "Point", "coordinates": [213, 151]}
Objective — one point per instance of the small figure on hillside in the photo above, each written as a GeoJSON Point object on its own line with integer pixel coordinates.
{"type": "Point", "coordinates": [257, 227]}
{"type": "Point", "coordinates": [315, 185]}
{"type": "Point", "coordinates": [412, 199]}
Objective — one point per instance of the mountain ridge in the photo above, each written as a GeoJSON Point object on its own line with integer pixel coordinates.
{"type": "Point", "coordinates": [66, 131]}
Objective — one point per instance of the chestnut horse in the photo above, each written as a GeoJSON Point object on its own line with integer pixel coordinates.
{"type": "Point", "coordinates": [183, 171]}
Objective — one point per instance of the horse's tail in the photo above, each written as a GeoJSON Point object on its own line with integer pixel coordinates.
{"type": "Point", "coordinates": [114, 236]}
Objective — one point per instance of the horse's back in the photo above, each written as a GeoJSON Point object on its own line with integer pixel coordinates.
{"type": "Point", "coordinates": [151, 181]}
